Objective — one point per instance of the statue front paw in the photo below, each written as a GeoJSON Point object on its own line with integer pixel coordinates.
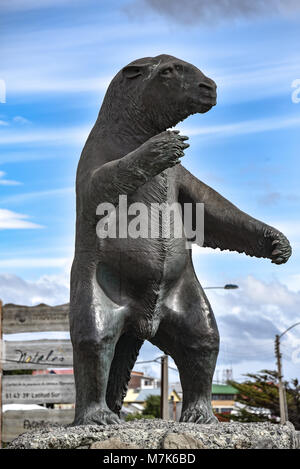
{"type": "Point", "coordinates": [166, 149]}
{"type": "Point", "coordinates": [281, 249]}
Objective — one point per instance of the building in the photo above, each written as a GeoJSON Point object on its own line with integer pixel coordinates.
{"type": "Point", "coordinates": [223, 398]}
{"type": "Point", "coordinates": [141, 386]}
{"type": "Point", "coordinates": [139, 381]}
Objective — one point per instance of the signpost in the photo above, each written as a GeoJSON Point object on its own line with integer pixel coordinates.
{"type": "Point", "coordinates": [38, 389]}
{"type": "Point", "coordinates": [37, 354]}
{"type": "Point", "coordinates": [35, 318]}
{"type": "Point", "coordinates": [16, 422]}
{"type": "Point", "coordinates": [34, 355]}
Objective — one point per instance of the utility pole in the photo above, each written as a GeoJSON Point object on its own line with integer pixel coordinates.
{"type": "Point", "coordinates": [281, 387]}
{"type": "Point", "coordinates": [164, 390]}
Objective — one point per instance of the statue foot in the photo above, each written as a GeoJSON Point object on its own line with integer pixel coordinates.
{"type": "Point", "coordinates": [200, 413]}
{"type": "Point", "coordinates": [98, 416]}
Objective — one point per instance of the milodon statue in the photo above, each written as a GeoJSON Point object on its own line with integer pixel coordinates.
{"type": "Point", "coordinates": [125, 291]}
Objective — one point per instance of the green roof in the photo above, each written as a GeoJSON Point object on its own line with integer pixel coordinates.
{"type": "Point", "coordinates": [223, 389]}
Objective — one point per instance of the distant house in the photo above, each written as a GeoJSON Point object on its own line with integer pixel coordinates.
{"type": "Point", "coordinates": [223, 398]}
{"type": "Point", "coordinates": [139, 381]}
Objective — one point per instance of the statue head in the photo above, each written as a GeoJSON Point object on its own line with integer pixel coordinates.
{"type": "Point", "coordinates": [161, 91]}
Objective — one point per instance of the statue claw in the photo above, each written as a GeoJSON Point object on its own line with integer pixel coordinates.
{"type": "Point", "coordinates": [199, 414]}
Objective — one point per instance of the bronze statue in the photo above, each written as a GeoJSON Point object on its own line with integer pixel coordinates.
{"type": "Point", "coordinates": [124, 290]}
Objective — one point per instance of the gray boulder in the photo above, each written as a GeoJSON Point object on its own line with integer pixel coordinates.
{"type": "Point", "coordinates": [156, 434]}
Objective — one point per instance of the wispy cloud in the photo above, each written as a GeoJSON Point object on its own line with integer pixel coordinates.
{"type": "Point", "coordinates": [73, 135]}
{"type": "Point", "coordinates": [25, 197]}
{"type": "Point", "coordinates": [32, 262]}
{"type": "Point", "coordinates": [7, 182]}
{"type": "Point", "coordinates": [21, 120]}
{"type": "Point", "coordinates": [12, 220]}
{"type": "Point", "coordinates": [245, 127]}
{"type": "Point", "coordinates": [66, 59]}
{"type": "Point", "coordinates": [78, 135]}
{"type": "Point", "coordinates": [256, 81]}
{"type": "Point", "coordinates": [29, 83]}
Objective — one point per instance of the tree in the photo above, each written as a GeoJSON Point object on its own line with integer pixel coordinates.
{"type": "Point", "coordinates": [259, 394]}
{"type": "Point", "coordinates": [152, 406]}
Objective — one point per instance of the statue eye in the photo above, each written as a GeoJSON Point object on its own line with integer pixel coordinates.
{"type": "Point", "coordinates": [167, 71]}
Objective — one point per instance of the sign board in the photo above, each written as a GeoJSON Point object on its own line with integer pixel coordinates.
{"type": "Point", "coordinates": [16, 422]}
{"type": "Point", "coordinates": [35, 318]}
{"type": "Point", "coordinates": [37, 354]}
{"type": "Point", "coordinates": [38, 389]}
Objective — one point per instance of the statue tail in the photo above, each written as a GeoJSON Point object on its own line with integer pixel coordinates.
{"type": "Point", "coordinates": [126, 352]}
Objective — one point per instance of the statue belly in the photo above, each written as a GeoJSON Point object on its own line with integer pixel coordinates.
{"type": "Point", "coordinates": [130, 268]}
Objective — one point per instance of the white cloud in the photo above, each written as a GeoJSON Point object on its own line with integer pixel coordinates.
{"type": "Point", "coordinates": [73, 135]}
{"type": "Point", "coordinates": [21, 120]}
{"type": "Point", "coordinates": [62, 59]}
{"type": "Point", "coordinates": [78, 135]}
{"type": "Point", "coordinates": [249, 318]}
{"type": "Point", "coordinates": [291, 228]}
{"type": "Point", "coordinates": [52, 291]}
{"type": "Point", "coordinates": [37, 195]}
{"type": "Point", "coordinates": [7, 182]}
{"type": "Point", "coordinates": [32, 262]}
{"type": "Point", "coordinates": [13, 220]}
{"type": "Point", "coordinates": [66, 58]}
{"type": "Point", "coordinates": [256, 81]}
{"type": "Point", "coordinates": [51, 84]}
{"type": "Point", "coordinates": [293, 282]}
{"type": "Point", "coordinates": [240, 128]}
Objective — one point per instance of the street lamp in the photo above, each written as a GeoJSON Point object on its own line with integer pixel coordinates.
{"type": "Point", "coordinates": [228, 286]}
{"type": "Point", "coordinates": [282, 391]}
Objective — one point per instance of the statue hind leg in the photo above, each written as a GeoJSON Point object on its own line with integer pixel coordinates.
{"type": "Point", "coordinates": [189, 334]}
{"type": "Point", "coordinates": [126, 352]}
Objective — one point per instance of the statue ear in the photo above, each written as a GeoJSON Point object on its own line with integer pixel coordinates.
{"type": "Point", "coordinates": [134, 71]}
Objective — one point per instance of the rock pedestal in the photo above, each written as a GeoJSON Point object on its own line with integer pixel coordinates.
{"type": "Point", "coordinates": [161, 434]}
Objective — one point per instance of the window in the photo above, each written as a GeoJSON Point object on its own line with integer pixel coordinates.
{"type": "Point", "coordinates": [147, 382]}
{"type": "Point", "coordinates": [223, 397]}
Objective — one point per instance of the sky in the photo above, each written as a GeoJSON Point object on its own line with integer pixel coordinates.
{"type": "Point", "coordinates": [57, 59]}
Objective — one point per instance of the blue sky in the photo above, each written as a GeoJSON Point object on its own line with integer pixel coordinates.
{"type": "Point", "coordinates": [57, 58]}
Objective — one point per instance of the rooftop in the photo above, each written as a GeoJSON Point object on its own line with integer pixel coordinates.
{"type": "Point", "coordinates": [223, 389]}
